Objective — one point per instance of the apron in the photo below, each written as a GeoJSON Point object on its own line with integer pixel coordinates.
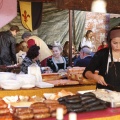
{"type": "Point", "coordinates": [112, 77]}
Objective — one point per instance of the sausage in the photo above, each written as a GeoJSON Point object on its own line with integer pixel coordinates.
{"type": "Point", "coordinates": [63, 98]}
{"type": "Point", "coordinates": [73, 100]}
{"type": "Point", "coordinates": [4, 111]}
{"type": "Point", "coordinates": [81, 109]}
{"type": "Point", "coordinates": [25, 116]}
{"type": "Point", "coordinates": [41, 110]}
{"type": "Point", "coordinates": [41, 115]}
{"type": "Point", "coordinates": [37, 104]}
{"type": "Point", "coordinates": [88, 101]}
{"type": "Point", "coordinates": [50, 101]}
{"type": "Point", "coordinates": [21, 111]}
{"type": "Point", "coordinates": [52, 104]}
{"type": "Point", "coordinates": [89, 94]}
{"type": "Point", "coordinates": [85, 97]}
{"type": "Point", "coordinates": [92, 104]}
{"type": "Point", "coordinates": [108, 104]}
{"type": "Point", "coordinates": [53, 108]}
{"type": "Point", "coordinates": [7, 116]}
{"type": "Point", "coordinates": [98, 107]}
{"type": "Point", "coordinates": [3, 104]}
{"type": "Point", "coordinates": [77, 105]}
{"type": "Point", "coordinates": [73, 97]}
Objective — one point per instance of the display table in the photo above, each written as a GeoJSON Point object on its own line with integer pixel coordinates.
{"type": "Point", "coordinates": [40, 91]}
{"type": "Point", "coordinates": [107, 114]}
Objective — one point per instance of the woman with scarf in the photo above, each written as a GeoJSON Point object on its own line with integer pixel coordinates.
{"type": "Point", "coordinates": [107, 61]}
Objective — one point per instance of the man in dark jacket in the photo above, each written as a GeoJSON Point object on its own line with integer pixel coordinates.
{"type": "Point", "coordinates": [85, 57]}
{"type": "Point", "coordinates": [7, 46]}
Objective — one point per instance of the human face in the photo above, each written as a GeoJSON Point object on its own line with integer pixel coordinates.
{"type": "Point", "coordinates": [115, 44]}
{"type": "Point", "coordinates": [26, 39]}
{"type": "Point", "coordinates": [90, 34]}
{"type": "Point", "coordinates": [14, 33]}
{"type": "Point", "coordinates": [56, 52]}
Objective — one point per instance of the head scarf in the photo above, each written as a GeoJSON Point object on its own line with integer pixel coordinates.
{"type": "Point", "coordinates": [115, 33]}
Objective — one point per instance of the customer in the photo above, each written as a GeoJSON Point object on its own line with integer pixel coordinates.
{"type": "Point", "coordinates": [22, 49]}
{"type": "Point", "coordinates": [57, 61]}
{"type": "Point", "coordinates": [107, 62]}
{"type": "Point", "coordinates": [31, 57]}
{"type": "Point", "coordinates": [7, 46]}
{"type": "Point", "coordinates": [88, 41]}
{"type": "Point", "coordinates": [44, 50]}
{"type": "Point", "coordinates": [85, 57]}
{"type": "Point", "coordinates": [103, 45]}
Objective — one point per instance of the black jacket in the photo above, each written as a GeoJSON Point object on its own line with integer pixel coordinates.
{"type": "Point", "coordinates": [7, 48]}
{"type": "Point", "coordinates": [98, 62]}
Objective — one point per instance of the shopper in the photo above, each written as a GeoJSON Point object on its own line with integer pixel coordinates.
{"type": "Point", "coordinates": [44, 50]}
{"type": "Point", "coordinates": [8, 46]}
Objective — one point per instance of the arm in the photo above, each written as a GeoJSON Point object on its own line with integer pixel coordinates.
{"type": "Point", "coordinates": [13, 51]}
{"type": "Point", "coordinates": [83, 42]}
{"type": "Point", "coordinates": [97, 63]}
{"type": "Point", "coordinates": [99, 79]}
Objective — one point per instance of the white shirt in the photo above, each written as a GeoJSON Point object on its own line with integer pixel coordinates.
{"type": "Point", "coordinates": [88, 43]}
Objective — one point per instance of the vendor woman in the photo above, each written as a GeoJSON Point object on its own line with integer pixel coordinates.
{"type": "Point", "coordinates": [107, 61]}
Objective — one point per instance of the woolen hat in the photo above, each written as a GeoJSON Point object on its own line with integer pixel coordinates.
{"type": "Point", "coordinates": [26, 34]}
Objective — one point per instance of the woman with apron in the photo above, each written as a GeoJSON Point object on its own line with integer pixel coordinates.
{"type": "Point", "coordinates": [107, 62]}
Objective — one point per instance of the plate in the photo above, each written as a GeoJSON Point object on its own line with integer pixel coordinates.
{"type": "Point", "coordinates": [45, 85]}
{"type": "Point", "coordinates": [85, 91]}
{"type": "Point", "coordinates": [27, 86]}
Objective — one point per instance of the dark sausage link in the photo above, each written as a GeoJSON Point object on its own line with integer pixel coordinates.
{"type": "Point", "coordinates": [77, 105]}
{"type": "Point", "coordinates": [63, 98]}
{"type": "Point", "coordinates": [85, 97]}
{"type": "Point", "coordinates": [73, 97]}
{"type": "Point", "coordinates": [73, 101]}
{"type": "Point", "coordinates": [89, 100]}
{"type": "Point", "coordinates": [92, 104]}
{"type": "Point", "coordinates": [89, 94]}
{"type": "Point", "coordinates": [81, 109]}
{"type": "Point", "coordinates": [97, 107]}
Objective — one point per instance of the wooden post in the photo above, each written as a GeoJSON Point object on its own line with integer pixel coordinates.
{"type": "Point", "coordinates": [71, 34]}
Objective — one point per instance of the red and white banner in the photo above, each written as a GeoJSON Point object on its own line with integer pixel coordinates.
{"type": "Point", "coordinates": [8, 11]}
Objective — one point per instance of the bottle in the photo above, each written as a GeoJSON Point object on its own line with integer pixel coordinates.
{"type": "Point", "coordinates": [59, 114]}
{"type": "Point", "coordinates": [72, 116]}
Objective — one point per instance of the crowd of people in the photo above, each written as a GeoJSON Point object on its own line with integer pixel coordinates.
{"type": "Point", "coordinates": [54, 57]}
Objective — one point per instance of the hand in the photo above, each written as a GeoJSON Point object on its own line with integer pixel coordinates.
{"type": "Point", "coordinates": [100, 79]}
{"type": "Point", "coordinates": [47, 70]}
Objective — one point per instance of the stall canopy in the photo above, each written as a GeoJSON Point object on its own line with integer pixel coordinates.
{"type": "Point", "coordinates": [113, 6]}
{"type": "Point", "coordinates": [8, 11]}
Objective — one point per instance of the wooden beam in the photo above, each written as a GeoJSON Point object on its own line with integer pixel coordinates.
{"type": "Point", "coordinates": [38, 0]}
{"type": "Point", "coordinates": [70, 36]}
